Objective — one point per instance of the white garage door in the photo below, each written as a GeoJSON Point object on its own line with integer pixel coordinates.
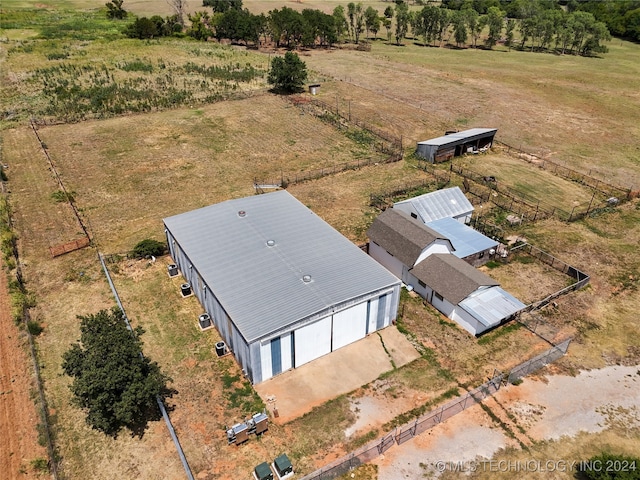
{"type": "Point", "coordinates": [312, 341]}
{"type": "Point", "coordinates": [349, 325]}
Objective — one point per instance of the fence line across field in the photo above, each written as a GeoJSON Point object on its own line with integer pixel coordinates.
{"type": "Point", "coordinates": [409, 430]}
{"type": "Point", "coordinates": [159, 401]}
{"type": "Point", "coordinates": [287, 179]}
{"type": "Point", "coordinates": [580, 277]}
{"type": "Point", "coordinates": [587, 179]}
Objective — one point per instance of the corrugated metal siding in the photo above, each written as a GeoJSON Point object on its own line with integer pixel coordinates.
{"type": "Point", "coordinates": [260, 287]}
{"type": "Point", "coordinates": [492, 305]}
{"type": "Point", "coordinates": [465, 240]}
{"type": "Point", "coordinates": [460, 137]}
{"type": "Point", "coordinates": [448, 202]}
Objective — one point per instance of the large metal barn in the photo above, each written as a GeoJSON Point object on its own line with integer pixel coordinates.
{"type": "Point", "coordinates": [282, 286]}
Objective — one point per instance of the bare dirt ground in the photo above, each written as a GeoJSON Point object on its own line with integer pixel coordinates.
{"type": "Point", "coordinates": [547, 409]}
{"type": "Point", "coordinates": [18, 416]}
{"type": "Point", "coordinates": [297, 391]}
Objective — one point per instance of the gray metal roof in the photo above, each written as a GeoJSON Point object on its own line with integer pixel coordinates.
{"type": "Point", "coordinates": [261, 287]}
{"type": "Point", "coordinates": [460, 137]}
{"type": "Point", "coordinates": [402, 236]}
{"type": "Point", "coordinates": [464, 239]}
{"type": "Point", "coordinates": [448, 202]}
{"type": "Point", "coordinates": [450, 276]}
{"type": "Point", "coordinates": [492, 305]}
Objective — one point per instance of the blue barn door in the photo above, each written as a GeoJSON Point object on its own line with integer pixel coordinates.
{"type": "Point", "coordinates": [276, 356]}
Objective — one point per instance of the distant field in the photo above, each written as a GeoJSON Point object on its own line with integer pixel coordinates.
{"type": "Point", "coordinates": [163, 8]}
{"type": "Point", "coordinates": [128, 172]}
{"type": "Point", "coordinates": [581, 111]}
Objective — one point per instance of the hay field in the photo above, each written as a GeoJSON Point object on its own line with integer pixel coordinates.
{"type": "Point", "coordinates": [130, 172]}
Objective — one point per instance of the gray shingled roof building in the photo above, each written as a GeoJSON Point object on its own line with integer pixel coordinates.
{"type": "Point", "coordinates": [451, 277]}
{"type": "Point", "coordinates": [280, 284]}
{"type": "Point", "coordinates": [401, 235]}
{"type": "Point", "coordinates": [465, 294]}
{"type": "Point", "coordinates": [426, 262]}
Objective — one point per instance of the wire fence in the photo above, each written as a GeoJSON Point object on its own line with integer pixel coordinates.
{"type": "Point", "coordinates": [385, 143]}
{"type": "Point", "coordinates": [409, 430]}
{"type": "Point", "coordinates": [383, 200]}
{"type": "Point", "coordinates": [525, 207]}
{"type": "Point", "coordinates": [580, 277]}
{"type": "Point", "coordinates": [287, 179]}
{"type": "Point", "coordinates": [159, 401]}
{"type": "Point", "coordinates": [536, 363]}
{"type": "Point", "coordinates": [344, 118]}
{"type": "Point", "coordinates": [587, 179]}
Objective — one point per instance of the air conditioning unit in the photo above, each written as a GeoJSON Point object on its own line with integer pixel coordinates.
{"type": "Point", "coordinates": [204, 320]}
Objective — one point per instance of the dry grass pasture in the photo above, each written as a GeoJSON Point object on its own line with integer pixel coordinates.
{"type": "Point", "coordinates": [129, 172]}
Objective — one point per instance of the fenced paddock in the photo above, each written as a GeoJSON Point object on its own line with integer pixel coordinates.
{"type": "Point", "coordinates": [341, 119]}
{"type": "Point", "coordinates": [586, 179]}
{"type": "Point", "coordinates": [526, 207]}
{"type": "Point", "coordinates": [581, 278]}
{"type": "Point", "coordinates": [383, 200]}
{"type": "Point", "coordinates": [409, 430]}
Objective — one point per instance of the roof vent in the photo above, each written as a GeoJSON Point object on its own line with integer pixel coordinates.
{"type": "Point", "coordinates": [306, 278]}
{"type": "Point", "coordinates": [242, 213]}
{"type": "Point", "coordinates": [271, 243]}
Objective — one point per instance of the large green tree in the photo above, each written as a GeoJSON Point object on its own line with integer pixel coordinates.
{"type": "Point", "coordinates": [112, 381]}
{"type": "Point", "coordinates": [495, 20]}
{"type": "Point", "coordinates": [371, 21]}
{"type": "Point", "coordinates": [340, 21]}
{"type": "Point", "coordinates": [288, 73]}
{"type": "Point", "coordinates": [402, 21]}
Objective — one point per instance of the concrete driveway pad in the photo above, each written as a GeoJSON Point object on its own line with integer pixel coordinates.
{"type": "Point", "coordinates": [297, 391]}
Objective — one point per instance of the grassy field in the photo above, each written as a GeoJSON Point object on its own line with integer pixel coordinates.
{"type": "Point", "coordinates": [128, 172]}
{"type": "Point", "coordinates": [574, 110]}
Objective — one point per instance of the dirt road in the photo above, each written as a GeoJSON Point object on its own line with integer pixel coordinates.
{"type": "Point", "coordinates": [18, 418]}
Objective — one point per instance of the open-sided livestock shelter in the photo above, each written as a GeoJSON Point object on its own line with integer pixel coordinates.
{"type": "Point", "coordinates": [446, 147]}
{"type": "Point", "coordinates": [280, 284]}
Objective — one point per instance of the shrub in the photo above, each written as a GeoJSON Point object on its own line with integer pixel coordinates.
{"type": "Point", "coordinates": [34, 328]}
{"type": "Point", "coordinates": [148, 248]}
{"type": "Point", "coordinates": [40, 465]}
{"type": "Point", "coordinates": [62, 196]}
{"type": "Point", "coordinates": [607, 466]}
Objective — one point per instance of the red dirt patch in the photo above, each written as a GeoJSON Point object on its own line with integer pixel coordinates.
{"type": "Point", "coordinates": [18, 416]}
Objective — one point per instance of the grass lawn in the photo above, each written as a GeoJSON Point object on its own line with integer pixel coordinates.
{"type": "Point", "coordinates": [550, 190]}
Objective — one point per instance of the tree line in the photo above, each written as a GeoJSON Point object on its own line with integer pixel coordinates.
{"type": "Point", "coordinates": [542, 25]}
